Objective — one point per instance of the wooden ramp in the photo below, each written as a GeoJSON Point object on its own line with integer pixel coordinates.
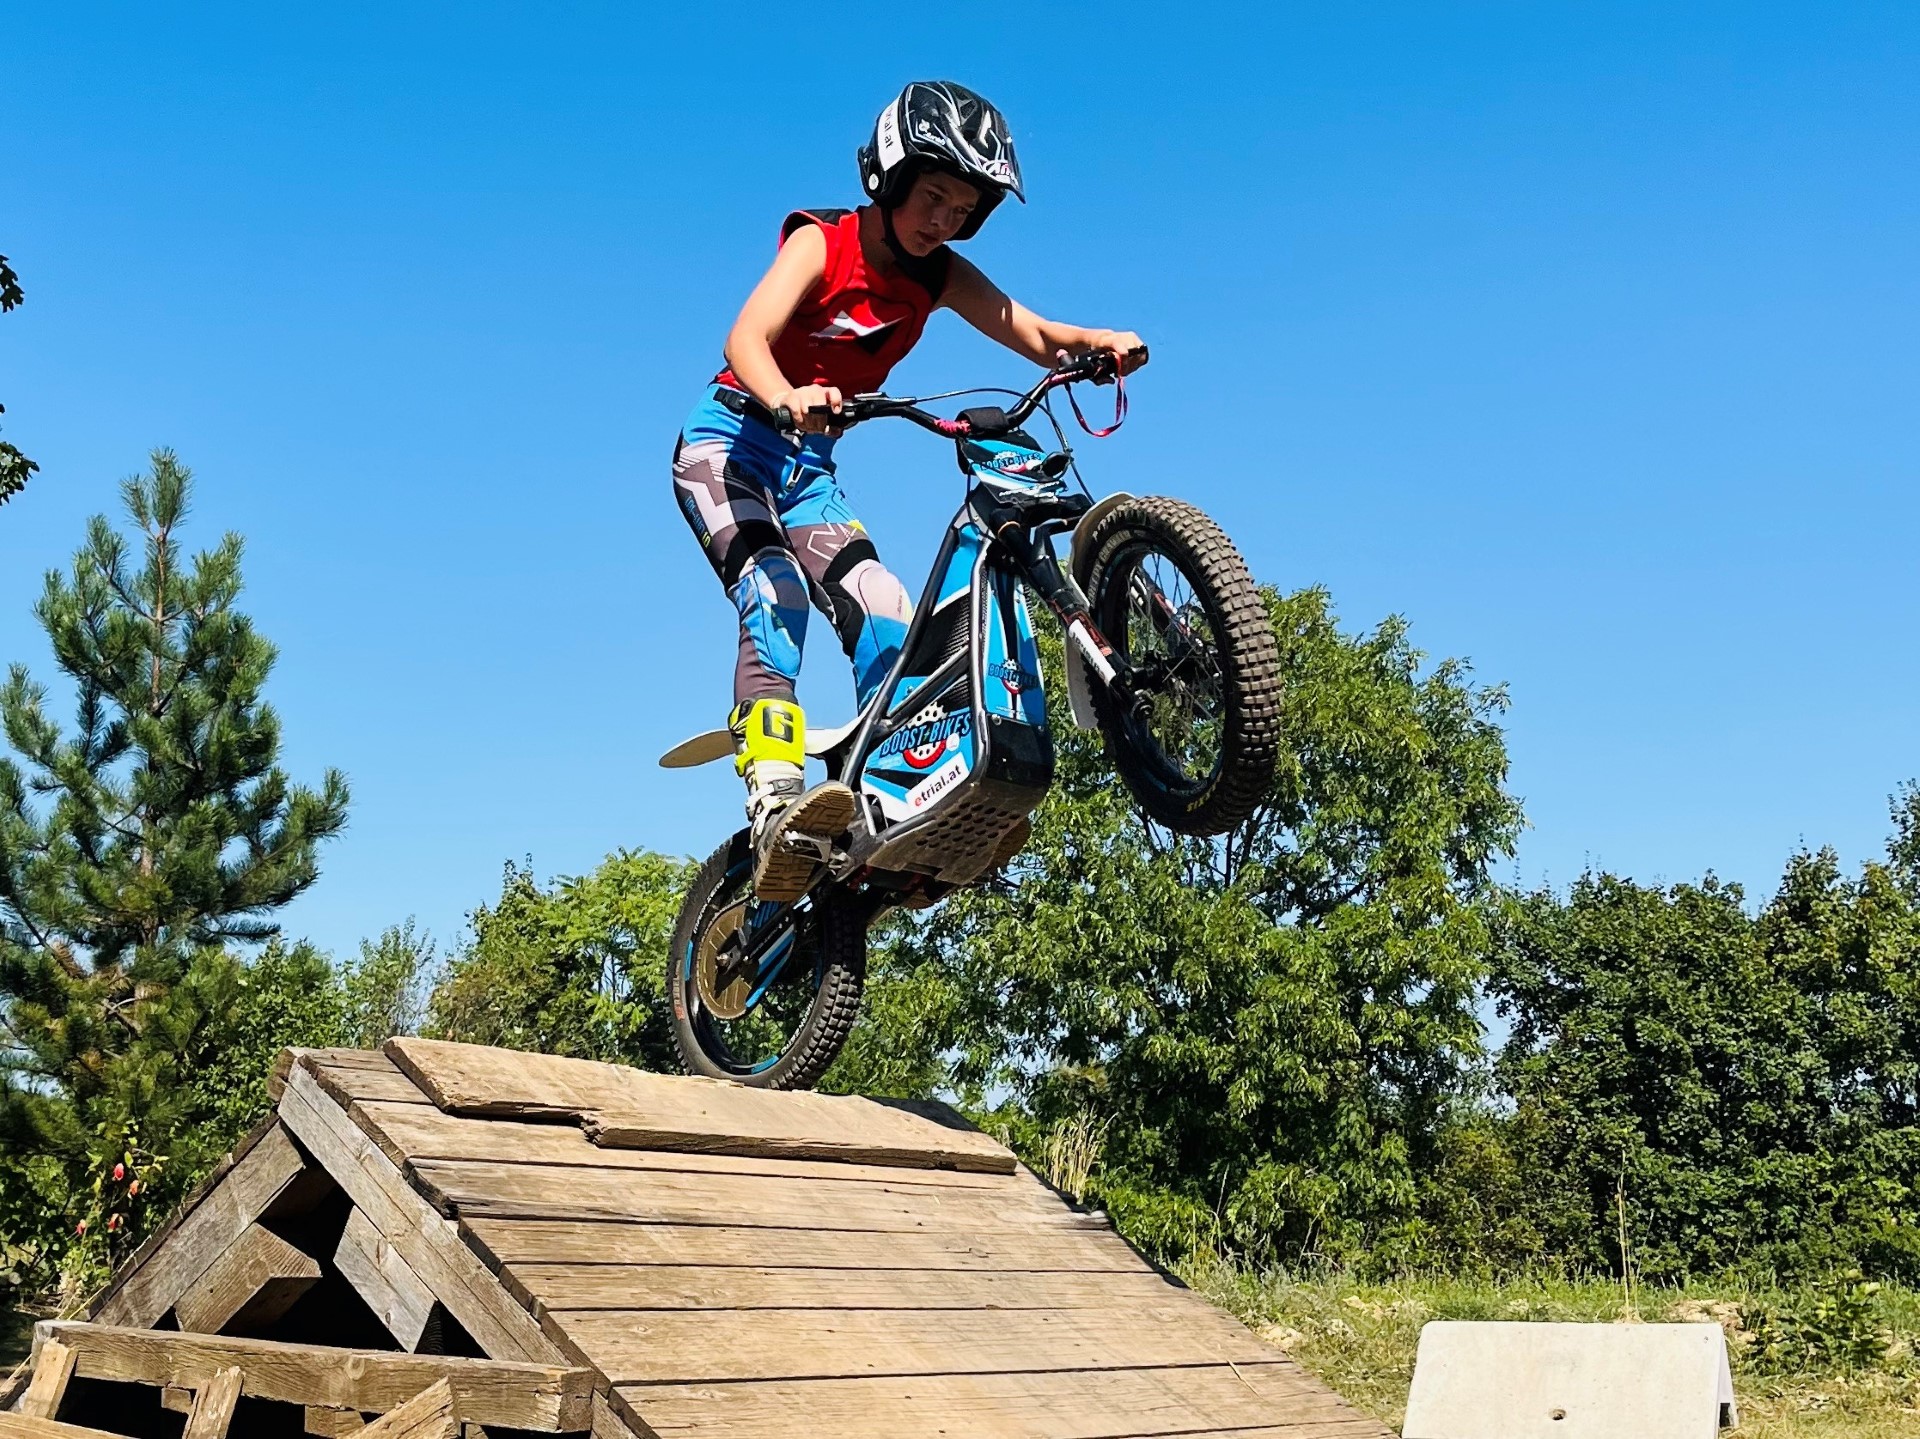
{"type": "Point", "coordinates": [718, 1261]}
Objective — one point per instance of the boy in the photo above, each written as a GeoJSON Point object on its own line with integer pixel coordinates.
{"type": "Point", "coordinates": [845, 299]}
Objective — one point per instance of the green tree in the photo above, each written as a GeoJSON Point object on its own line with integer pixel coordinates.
{"type": "Point", "coordinates": [140, 850]}
{"type": "Point", "coordinates": [577, 967]}
{"type": "Point", "coordinates": [1267, 1029]}
{"type": "Point", "coordinates": [385, 990]}
{"type": "Point", "coordinates": [15, 468]}
{"type": "Point", "coordinates": [1748, 1086]}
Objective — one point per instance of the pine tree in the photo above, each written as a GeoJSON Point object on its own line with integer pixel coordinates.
{"type": "Point", "coordinates": [141, 854]}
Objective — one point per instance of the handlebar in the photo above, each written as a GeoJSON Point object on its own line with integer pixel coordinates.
{"type": "Point", "coordinates": [1098, 366]}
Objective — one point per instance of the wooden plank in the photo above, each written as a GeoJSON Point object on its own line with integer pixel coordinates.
{"type": "Point", "coordinates": [1059, 1405]}
{"type": "Point", "coordinates": [706, 1346]}
{"type": "Point", "coordinates": [383, 1280]}
{"type": "Point", "coordinates": [213, 1405]}
{"type": "Point", "coordinates": [421, 1131]}
{"type": "Point", "coordinates": [625, 1108]}
{"type": "Point", "coordinates": [349, 1086]}
{"type": "Point", "coordinates": [176, 1399]}
{"type": "Point", "coordinates": [371, 1060]}
{"type": "Point", "coordinates": [332, 1423]}
{"type": "Point", "coordinates": [205, 1232]}
{"type": "Point", "coordinates": [1339, 1428]}
{"type": "Point", "coordinates": [428, 1415]}
{"type": "Point", "coordinates": [549, 1398]}
{"type": "Point", "coordinates": [609, 1425]}
{"type": "Point", "coordinates": [428, 1244]}
{"type": "Point", "coordinates": [24, 1426]}
{"type": "Point", "coordinates": [538, 1191]}
{"type": "Point", "coordinates": [564, 1287]}
{"type": "Point", "coordinates": [256, 1280]}
{"type": "Point", "coordinates": [52, 1369]}
{"type": "Point", "coordinates": [478, 1080]}
{"type": "Point", "coordinates": [543, 1241]}
{"type": "Point", "coordinates": [882, 1136]}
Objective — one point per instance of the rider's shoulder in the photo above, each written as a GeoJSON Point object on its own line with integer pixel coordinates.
{"type": "Point", "coordinates": [825, 218]}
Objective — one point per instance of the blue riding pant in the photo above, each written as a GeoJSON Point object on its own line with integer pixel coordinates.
{"type": "Point", "coordinates": [779, 532]}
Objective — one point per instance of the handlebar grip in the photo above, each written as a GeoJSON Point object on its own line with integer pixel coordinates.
{"type": "Point", "coordinates": [848, 412]}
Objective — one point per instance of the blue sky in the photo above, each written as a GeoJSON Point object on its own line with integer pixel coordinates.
{"type": "Point", "coordinates": [1584, 338]}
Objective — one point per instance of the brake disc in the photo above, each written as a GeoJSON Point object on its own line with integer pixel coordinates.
{"type": "Point", "coordinates": [725, 984]}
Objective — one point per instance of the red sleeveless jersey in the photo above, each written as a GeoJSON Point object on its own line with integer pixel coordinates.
{"type": "Point", "coordinates": [856, 324]}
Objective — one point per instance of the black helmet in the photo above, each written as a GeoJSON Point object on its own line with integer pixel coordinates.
{"type": "Point", "coordinates": [938, 125]}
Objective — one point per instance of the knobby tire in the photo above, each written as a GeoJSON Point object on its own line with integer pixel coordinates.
{"type": "Point", "coordinates": [1248, 656]}
{"type": "Point", "coordinates": [841, 958]}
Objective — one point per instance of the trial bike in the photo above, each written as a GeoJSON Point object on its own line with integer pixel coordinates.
{"type": "Point", "coordinates": [1170, 655]}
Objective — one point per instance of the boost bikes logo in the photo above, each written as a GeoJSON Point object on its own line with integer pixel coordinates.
{"type": "Point", "coordinates": [923, 745]}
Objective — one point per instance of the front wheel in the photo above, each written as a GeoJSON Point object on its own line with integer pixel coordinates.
{"type": "Point", "coordinates": [763, 993]}
{"type": "Point", "coordinates": [1197, 739]}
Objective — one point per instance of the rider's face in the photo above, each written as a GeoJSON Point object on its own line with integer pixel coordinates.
{"type": "Point", "coordinates": [933, 212]}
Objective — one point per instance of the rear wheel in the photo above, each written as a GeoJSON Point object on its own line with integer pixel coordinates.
{"type": "Point", "coordinates": [763, 993]}
{"type": "Point", "coordinates": [1197, 740]}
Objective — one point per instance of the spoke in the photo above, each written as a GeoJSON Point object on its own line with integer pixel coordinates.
{"type": "Point", "coordinates": [1171, 647]}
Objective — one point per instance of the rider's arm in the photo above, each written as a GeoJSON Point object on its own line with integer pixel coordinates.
{"type": "Point", "coordinates": [795, 270]}
{"type": "Point", "coordinates": [998, 316]}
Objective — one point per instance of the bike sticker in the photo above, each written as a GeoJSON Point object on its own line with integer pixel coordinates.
{"type": "Point", "coordinates": [938, 783]}
{"type": "Point", "coordinates": [920, 761]}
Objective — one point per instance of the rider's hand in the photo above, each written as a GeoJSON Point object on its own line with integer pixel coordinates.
{"type": "Point", "coordinates": [803, 398]}
{"type": "Point", "coordinates": [1128, 348]}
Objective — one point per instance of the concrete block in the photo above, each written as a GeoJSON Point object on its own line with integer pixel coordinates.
{"type": "Point", "coordinates": [1570, 1381]}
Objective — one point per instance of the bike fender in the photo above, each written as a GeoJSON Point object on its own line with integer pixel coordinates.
{"type": "Point", "coordinates": [701, 749]}
{"type": "Point", "coordinates": [1079, 558]}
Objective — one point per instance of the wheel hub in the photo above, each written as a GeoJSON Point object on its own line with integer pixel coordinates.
{"type": "Point", "coordinates": [724, 980]}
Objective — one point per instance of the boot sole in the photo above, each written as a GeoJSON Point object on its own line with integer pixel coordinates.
{"type": "Point", "coordinates": [780, 874]}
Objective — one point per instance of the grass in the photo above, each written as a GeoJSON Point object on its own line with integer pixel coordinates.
{"type": "Point", "coordinates": [1360, 1338]}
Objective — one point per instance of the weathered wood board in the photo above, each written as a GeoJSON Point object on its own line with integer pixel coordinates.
{"type": "Point", "coordinates": [257, 1279]}
{"type": "Point", "coordinates": [152, 1285]}
{"type": "Point", "coordinates": [52, 1370]}
{"type": "Point", "coordinates": [530, 1191]}
{"type": "Point", "coordinates": [549, 1398]}
{"type": "Point", "coordinates": [576, 1242]}
{"type": "Point", "coordinates": [1158, 1401]}
{"type": "Point", "coordinates": [390, 1288]}
{"type": "Point", "coordinates": [633, 1287]}
{"type": "Point", "coordinates": [26, 1426]}
{"type": "Point", "coordinates": [624, 1108]}
{"type": "Point", "coordinates": [428, 1415]}
{"type": "Point", "coordinates": [422, 1131]}
{"type": "Point", "coordinates": [213, 1405]}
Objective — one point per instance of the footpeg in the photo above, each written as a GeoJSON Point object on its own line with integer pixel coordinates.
{"type": "Point", "coordinates": [815, 846]}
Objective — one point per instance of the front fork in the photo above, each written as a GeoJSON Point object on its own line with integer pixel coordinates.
{"type": "Point", "coordinates": [1040, 567]}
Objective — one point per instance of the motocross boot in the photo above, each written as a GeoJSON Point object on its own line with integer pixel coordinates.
{"type": "Point", "coordinates": [770, 753]}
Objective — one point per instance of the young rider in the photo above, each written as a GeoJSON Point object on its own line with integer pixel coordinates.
{"type": "Point", "coordinates": [844, 300]}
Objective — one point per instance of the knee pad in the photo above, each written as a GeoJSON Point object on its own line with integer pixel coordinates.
{"type": "Point", "coordinates": [771, 596]}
